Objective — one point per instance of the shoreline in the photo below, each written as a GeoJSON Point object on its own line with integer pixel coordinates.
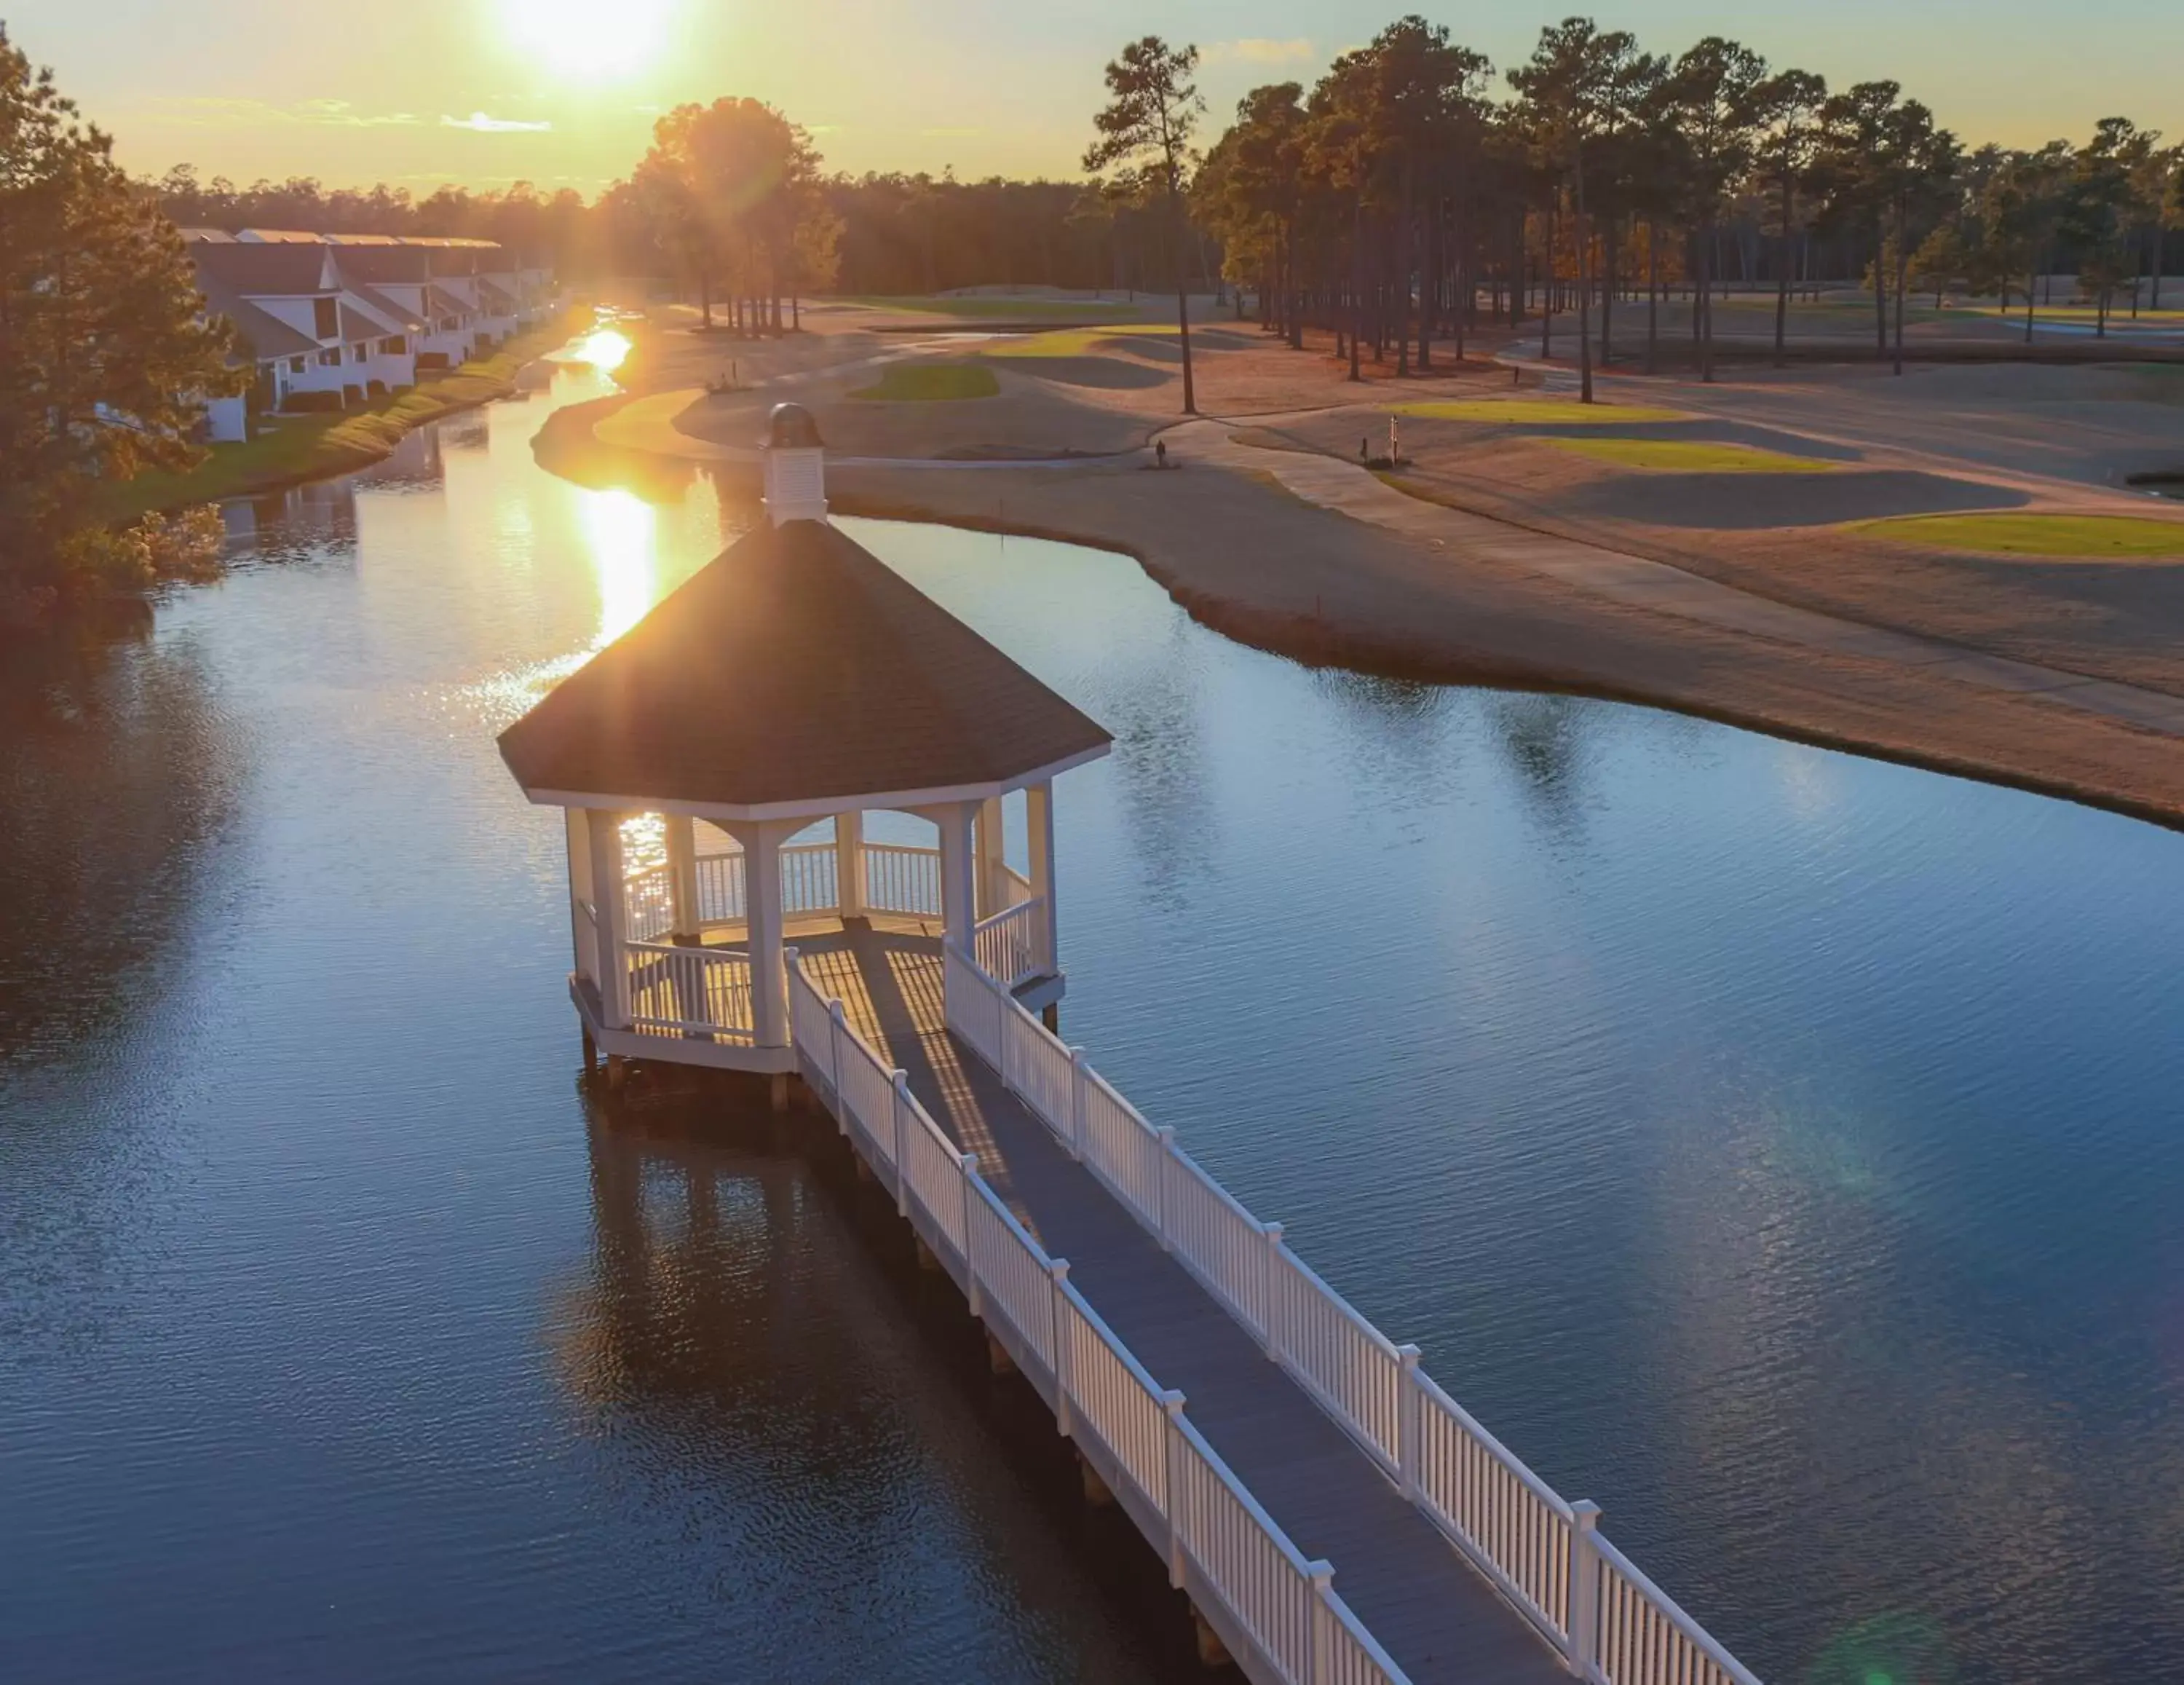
{"type": "Point", "coordinates": [1253, 561]}
{"type": "Point", "coordinates": [370, 434]}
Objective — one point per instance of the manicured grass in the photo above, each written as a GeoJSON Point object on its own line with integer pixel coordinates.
{"type": "Point", "coordinates": [1535, 411]}
{"type": "Point", "coordinates": [2095, 537]}
{"type": "Point", "coordinates": [931, 383]}
{"type": "Point", "coordinates": [997, 309]}
{"type": "Point", "coordinates": [2167, 317]}
{"type": "Point", "coordinates": [1689, 456]}
{"type": "Point", "coordinates": [1076, 341]}
{"type": "Point", "coordinates": [294, 448]}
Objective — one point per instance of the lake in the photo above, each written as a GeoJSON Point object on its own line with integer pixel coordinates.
{"type": "Point", "coordinates": [1778, 1147]}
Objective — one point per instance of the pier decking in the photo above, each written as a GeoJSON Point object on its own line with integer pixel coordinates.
{"type": "Point", "coordinates": [1437, 1616]}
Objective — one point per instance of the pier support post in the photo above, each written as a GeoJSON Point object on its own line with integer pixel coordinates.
{"type": "Point", "coordinates": [1097, 1493]}
{"type": "Point", "coordinates": [1582, 1638]}
{"type": "Point", "coordinates": [997, 1355]}
{"type": "Point", "coordinates": [1211, 1652]}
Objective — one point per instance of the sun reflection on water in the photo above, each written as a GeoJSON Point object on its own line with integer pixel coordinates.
{"type": "Point", "coordinates": [620, 530]}
{"type": "Point", "coordinates": [604, 348]}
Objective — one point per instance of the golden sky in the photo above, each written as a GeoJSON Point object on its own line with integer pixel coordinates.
{"type": "Point", "coordinates": [563, 92]}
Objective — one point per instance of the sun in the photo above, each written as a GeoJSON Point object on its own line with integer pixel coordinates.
{"type": "Point", "coordinates": [583, 38]}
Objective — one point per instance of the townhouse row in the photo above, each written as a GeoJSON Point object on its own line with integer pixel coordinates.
{"type": "Point", "coordinates": [333, 320]}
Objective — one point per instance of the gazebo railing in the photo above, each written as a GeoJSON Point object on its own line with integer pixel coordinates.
{"type": "Point", "coordinates": [902, 879]}
{"type": "Point", "coordinates": [1012, 944]}
{"type": "Point", "coordinates": [1612, 1625]}
{"type": "Point", "coordinates": [690, 992]}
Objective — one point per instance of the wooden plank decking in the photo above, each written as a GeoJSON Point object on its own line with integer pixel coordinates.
{"type": "Point", "coordinates": [1434, 1612]}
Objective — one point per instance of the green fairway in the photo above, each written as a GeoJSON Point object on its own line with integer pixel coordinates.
{"type": "Point", "coordinates": [1077, 342]}
{"type": "Point", "coordinates": [931, 383]}
{"type": "Point", "coordinates": [998, 310]}
{"type": "Point", "coordinates": [1689, 456]}
{"type": "Point", "coordinates": [2095, 537]}
{"type": "Point", "coordinates": [1535, 411]}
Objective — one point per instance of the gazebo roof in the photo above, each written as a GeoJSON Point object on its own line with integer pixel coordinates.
{"type": "Point", "coordinates": [795, 669]}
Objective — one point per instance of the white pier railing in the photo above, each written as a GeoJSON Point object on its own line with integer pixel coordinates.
{"type": "Point", "coordinates": [1612, 1625]}
{"type": "Point", "coordinates": [1244, 1574]}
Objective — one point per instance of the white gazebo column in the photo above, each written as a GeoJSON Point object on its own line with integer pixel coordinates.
{"type": "Point", "coordinates": [993, 894]}
{"type": "Point", "coordinates": [762, 892]}
{"type": "Point", "coordinates": [959, 901]}
{"type": "Point", "coordinates": [850, 863]}
{"type": "Point", "coordinates": [582, 925]}
{"type": "Point", "coordinates": [613, 981]}
{"type": "Point", "coordinates": [682, 875]}
{"type": "Point", "coordinates": [1039, 816]}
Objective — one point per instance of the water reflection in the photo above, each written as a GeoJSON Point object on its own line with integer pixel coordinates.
{"type": "Point", "coordinates": [619, 528]}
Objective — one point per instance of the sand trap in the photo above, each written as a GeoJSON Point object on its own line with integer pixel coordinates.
{"type": "Point", "coordinates": [1738, 502]}
{"type": "Point", "coordinates": [1689, 456]}
{"type": "Point", "coordinates": [2093, 538]}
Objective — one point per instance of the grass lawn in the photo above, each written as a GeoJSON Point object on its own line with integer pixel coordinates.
{"type": "Point", "coordinates": [1689, 456]}
{"type": "Point", "coordinates": [931, 383]}
{"type": "Point", "coordinates": [997, 310]}
{"type": "Point", "coordinates": [2096, 537]}
{"type": "Point", "coordinates": [1076, 341]}
{"type": "Point", "coordinates": [1538, 412]}
{"type": "Point", "coordinates": [294, 448]}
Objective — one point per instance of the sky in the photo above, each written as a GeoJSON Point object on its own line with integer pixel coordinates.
{"type": "Point", "coordinates": [564, 93]}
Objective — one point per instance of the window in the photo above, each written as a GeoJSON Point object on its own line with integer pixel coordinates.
{"type": "Point", "coordinates": [325, 316]}
{"type": "Point", "coordinates": [360, 353]}
{"type": "Point", "coordinates": [330, 360]}
{"type": "Point", "coordinates": [395, 347]}
{"type": "Point", "coordinates": [295, 365]}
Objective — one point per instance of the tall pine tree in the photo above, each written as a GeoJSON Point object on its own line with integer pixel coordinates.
{"type": "Point", "coordinates": [105, 355]}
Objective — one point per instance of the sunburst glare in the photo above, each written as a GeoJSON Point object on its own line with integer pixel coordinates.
{"type": "Point", "coordinates": [581, 40]}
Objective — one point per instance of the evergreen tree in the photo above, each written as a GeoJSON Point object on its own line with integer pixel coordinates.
{"type": "Point", "coordinates": [105, 357]}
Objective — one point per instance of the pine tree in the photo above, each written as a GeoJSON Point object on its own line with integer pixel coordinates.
{"type": "Point", "coordinates": [105, 357]}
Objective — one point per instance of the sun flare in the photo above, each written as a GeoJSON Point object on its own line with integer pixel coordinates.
{"type": "Point", "coordinates": [580, 38]}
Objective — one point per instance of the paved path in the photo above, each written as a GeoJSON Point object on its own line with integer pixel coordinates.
{"type": "Point", "coordinates": [1433, 1613]}
{"type": "Point", "coordinates": [1349, 490]}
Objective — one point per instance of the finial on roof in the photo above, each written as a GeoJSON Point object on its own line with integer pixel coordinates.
{"type": "Point", "coordinates": [795, 466]}
{"type": "Point", "coordinates": [792, 427]}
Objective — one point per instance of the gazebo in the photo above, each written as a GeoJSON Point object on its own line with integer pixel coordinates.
{"type": "Point", "coordinates": [791, 688]}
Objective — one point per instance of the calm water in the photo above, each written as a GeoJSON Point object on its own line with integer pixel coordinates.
{"type": "Point", "coordinates": [1780, 1148]}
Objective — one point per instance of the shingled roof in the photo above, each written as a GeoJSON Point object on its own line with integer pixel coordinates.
{"type": "Point", "coordinates": [796, 668]}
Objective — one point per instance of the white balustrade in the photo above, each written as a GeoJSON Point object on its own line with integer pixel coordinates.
{"type": "Point", "coordinates": [808, 880]}
{"type": "Point", "coordinates": [648, 905]}
{"type": "Point", "coordinates": [690, 992]}
{"type": "Point", "coordinates": [1641, 1638]}
{"type": "Point", "coordinates": [1011, 946]}
{"type": "Point", "coordinates": [1152, 1455]}
{"type": "Point", "coordinates": [1613, 1625]}
{"type": "Point", "coordinates": [720, 896]}
{"type": "Point", "coordinates": [901, 879]}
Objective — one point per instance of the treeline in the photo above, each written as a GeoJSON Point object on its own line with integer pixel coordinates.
{"type": "Point", "coordinates": [1399, 198]}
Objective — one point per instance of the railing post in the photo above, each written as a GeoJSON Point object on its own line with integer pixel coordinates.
{"type": "Point", "coordinates": [834, 1065]}
{"type": "Point", "coordinates": [1272, 1262]}
{"type": "Point", "coordinates": [1165, 1136]}
{"type": "Point", "coordinates": [1409, 1419]}
{"type": "Point", "coordinates": [1078, 1082]}
{"type": "Point", "coordinates": [969, 1165]}
{"type": "Point", "coordinates": [1321, 1665]}
{"type": "Point", "coordinates": [1057, 1274]}
{"type": "Point", "coordinates": [1581, 1640]}
{"type": "Point", "coordinates": [902, 1103]}
{"type": "Point", "coordinates": [1172, 1406]}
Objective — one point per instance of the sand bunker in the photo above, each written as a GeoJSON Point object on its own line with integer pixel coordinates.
{"type": "Point", "coordinates": [1738, 502]}
{"type": "Point", "coordinates": [1522, 411]}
